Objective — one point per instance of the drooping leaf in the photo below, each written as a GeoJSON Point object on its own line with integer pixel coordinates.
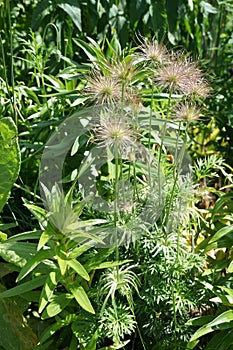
{"type": "Point", "coordinates": [25, 236]}
{"type": "Point", "coordinates": [225, 318]}
{"type": "Point", "coordinates": [221, 233]}
{"type": "Point", "coordinates": [24, 287]}
{"type": "Point", "coordinates": [9, 158]}
{"type": "Point", "coordinates": [36, 260]}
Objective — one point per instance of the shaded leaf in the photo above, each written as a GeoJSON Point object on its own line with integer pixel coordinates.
{"type": "Point", "coordinates": [24, 287]}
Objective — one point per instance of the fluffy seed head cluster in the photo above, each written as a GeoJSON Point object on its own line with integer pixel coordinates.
{"type": "Point", "coordinates": [124, 71]}
{"type": "Point", "coordinates": [182, 76]}
{"type": "Point", "coordinates": [187, 112]}
{"type": "Point", "coordinates": [115, 133]}
{"type": "Point", "coordinates": [103, 88]}
{"type": "Point", "coordinates": [152, 52]}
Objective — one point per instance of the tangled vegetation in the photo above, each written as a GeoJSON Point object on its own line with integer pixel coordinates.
{"type": "Point", "coordinates": [116, 175]}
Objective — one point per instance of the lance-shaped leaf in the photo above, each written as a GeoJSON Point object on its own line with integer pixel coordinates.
{"type": "Point", "coordinates": [77, 267]}
{"type": "Point", "coordinates": [48, 289]}
{"type": "Point", "coordinates": [225, 319]}
{"type": "Point", "coordinates": [58, 303]}
{"type": "Point", "coordinates": [24, 287]}
{"type": "Point", "coordinates": [81, 297]}
{"type": "Point", "coordinates": [35, 261]}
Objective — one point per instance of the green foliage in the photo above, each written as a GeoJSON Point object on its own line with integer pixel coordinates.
{"type": "Point", "coordinates": [172, 258]}
{"type": "Point", "coordinates": [15, 331]}
{"type": "Point", "coordinates": [10, 158]}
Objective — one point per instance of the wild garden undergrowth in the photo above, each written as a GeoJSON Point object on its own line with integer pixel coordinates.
{"type": "Point", "coordinates": [117, 252]}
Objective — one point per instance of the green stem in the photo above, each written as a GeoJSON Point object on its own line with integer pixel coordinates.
{"type": "Point", "coordinates": [116, 200]}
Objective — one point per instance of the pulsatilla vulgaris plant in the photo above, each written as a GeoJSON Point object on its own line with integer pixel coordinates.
{"type": "Point", "coordinates": [113, 263]}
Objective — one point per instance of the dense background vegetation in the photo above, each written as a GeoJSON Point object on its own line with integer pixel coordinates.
{"type": "Point", "coordinates": [169, 285]}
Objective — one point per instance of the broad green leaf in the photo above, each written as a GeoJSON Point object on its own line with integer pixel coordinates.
{"type": "Point", "coordinates": [225, 318]}
{"type": "Point", "coordinates": [9, 158]}
{"type": "Point", "coordinates": [81, 297]}
{"type": "Point", "coordinates": [48, 289]}
{"type": "Point", "coordinates": [72, 8]}
{"type": "Point", "coordinates": [221, 341]}
{"type": "Point", "coordinates": [75, 146]}
{"type": "Point", "coordinates": [36, 260]}
{"type": "Point", "coordinates": [229, 291]}
{"type": "Point", "coordinates": [76, 252]}
{"type": "Point", "coordinates": [15, 332]}
{"type": "Point", "coordinates": [17, 253]}
{"type": "Point", "coordinates": [98, 258]}
{"type": "Point", "coordinates": [58, 303]}
{"type": "Point", "coordinates": [220, 233]}
{"type": "Point", "coordinates": [77, 267]}
{"type": "Point", "coordinates": [24, 287]}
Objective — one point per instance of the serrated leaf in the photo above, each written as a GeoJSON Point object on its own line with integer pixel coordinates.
{"type": "Point", "coordinates": [36, 260]}
{"type": "Point", "coordinates": [81, 297]}
{"type": "Point", "coordinates": [24, 287]}
{"type": "Point", "coordinates": [77, 267]}
{"type": "Point", "coordinates": [9, 158]}
{"type": "Point", "coordinates": [48, 289]}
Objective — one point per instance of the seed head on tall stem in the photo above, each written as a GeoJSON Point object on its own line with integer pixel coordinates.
{"type": "Point", "coordinates": [103, 88]}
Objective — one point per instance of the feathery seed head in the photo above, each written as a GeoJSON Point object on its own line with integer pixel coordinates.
{"type": "Point", "coordinates": [115, 132]}
{"type": "Point", "coordinates": [104, 89]}
{"type": "Point", "coordinates": [187, 112]}
{"type": "Point", "coordinates": [152, 52]}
